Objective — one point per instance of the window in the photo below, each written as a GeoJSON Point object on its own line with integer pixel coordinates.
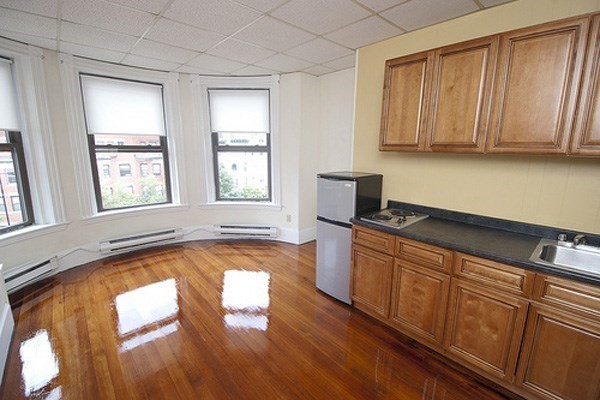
{"type": "Point", "coordinates": [144, 170]}
{"type": "Point", "coordinates": [125, 169]}
{"type": "Point", "coordinates": [121, 117]}
{"type": "Point", "coordinates": [241, 143]}
{"type": "Point", "coordinates": [14, 181]}
{"type": "Point", "coordinates": [106, 170]}
{"type": "Point", "coordinates": [156, 169]}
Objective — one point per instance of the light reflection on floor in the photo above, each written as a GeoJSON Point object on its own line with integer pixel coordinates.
{"type": "Point", "coordinates": [246, 296]}
{"type": "Point", "coordinates": [147, 313]}
{"type": "Point", "coordinates": [39, 362]}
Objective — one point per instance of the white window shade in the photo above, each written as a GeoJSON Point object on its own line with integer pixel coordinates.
{"type": "Point", "coordinates": [9, 116]}
{"type": "Point", "coordinates": [114, 106]}
{"type": "Point", "coordinates": [239, 110]}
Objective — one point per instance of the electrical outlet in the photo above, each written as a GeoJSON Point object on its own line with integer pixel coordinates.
{"type": "Point", "coordinates": [288, 218]}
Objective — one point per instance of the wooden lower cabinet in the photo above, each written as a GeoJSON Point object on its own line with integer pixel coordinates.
{"type": "Point", "coordinates": [561, 355]}
{"type": "Point", "coordinates": [371, 281]}
{"type": "Point", "coordinates": [419, 299]}
{"type": "Point", "coordinates": [484, 328]}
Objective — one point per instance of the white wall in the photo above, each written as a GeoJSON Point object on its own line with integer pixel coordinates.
{"type": "Point", "coordinates": [304, 128]}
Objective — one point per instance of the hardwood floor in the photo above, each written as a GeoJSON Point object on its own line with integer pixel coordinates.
{"type": "Point", "coordinates": [212, 320]}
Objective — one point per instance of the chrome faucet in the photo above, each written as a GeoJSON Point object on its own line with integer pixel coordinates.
{"type": "Point", "coordinates": [579, 239]}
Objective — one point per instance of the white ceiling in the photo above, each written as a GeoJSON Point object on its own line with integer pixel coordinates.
{"type": "Point", "coordinates": [237, 37]}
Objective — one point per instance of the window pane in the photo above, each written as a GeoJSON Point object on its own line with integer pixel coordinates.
{"type": "Point", "coordinates": [3, 137]}
{"type": "Point", "coordinates": [243, 175]}
{"type": "Point", "coordinates": [12, 213]}
{"type": "Point", "coordinates": [116, 106]}
{"type": "Point", "coordinates": [242, 139]}
{"type": "Point", "coordinates": [130, 187]}
{"type": "Point", "coordinates": [127, 140]}
{"type": "Point", "coordinates": [239, 110]}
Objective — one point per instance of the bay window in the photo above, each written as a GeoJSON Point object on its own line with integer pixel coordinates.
{"type": "Point", "coordinates": [240, 125]}
{"type": "Point", "coordinates": [14, 182]}
{"type": "Point", "coordinates": [125, 124]}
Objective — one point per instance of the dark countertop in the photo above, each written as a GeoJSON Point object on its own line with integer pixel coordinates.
{"type": "Point", "coordinates": [500, 240]}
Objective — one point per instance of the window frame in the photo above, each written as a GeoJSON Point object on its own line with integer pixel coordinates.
{"type": "Point", "coordinates": [14, 145]}
{"type": "Point", "coordinates": [200, 86]}
{"type": "Point", "coordinates": [71, 68]}
{"type": "Point", "coordinates": [37, 137]}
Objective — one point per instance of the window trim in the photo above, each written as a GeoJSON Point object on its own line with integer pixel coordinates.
{"type": "Point", "coordinates": [71, 68]}
{"type": "Point", "coordinates": [38, 142]}
{"type": "Point", "coordinates": [200, 86]}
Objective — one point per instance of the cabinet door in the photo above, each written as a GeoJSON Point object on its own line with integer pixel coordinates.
{"type": "Point", "coordinates": [538, 76]}
{"type": "Point", "coordinates": [405, 102]}
{"type": "Point", "coordinates": [561, 356]}
{"type": "Point", "coordinates": [371, 281]}
{"type": "Point", "coordinates": [586, 140]}
{"type": "Point", "coordinates": [419, 299]}
{"type": "Point", "coordinates": [461, 96]}
{"type": "Point", "coordinates": [485, 328]}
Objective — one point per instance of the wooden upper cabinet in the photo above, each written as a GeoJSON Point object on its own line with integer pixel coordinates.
{"type": "Point", "coordinates": [462, 82]}
{"type": "Point", "coordinates": [586, 140]}
{"type": "Point", "coordinates": [405, 102]}
{"type": "Point", "coordinates": [537, 81]}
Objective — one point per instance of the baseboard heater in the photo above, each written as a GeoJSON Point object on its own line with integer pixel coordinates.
{"type": "Point", "coordinates": [245, 230]}
{"type": "Point", "coordinates": [140, 240]}
{"type": "Point", "coordinates": [18, 277]}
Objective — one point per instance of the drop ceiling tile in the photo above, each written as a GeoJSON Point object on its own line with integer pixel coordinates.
{"type": "Point", "coordinates": [364, 32]}
{"type": "Point", "coordinates": [380, 5]}
{"type": "Point", "coordinates": [181, 35]}
{"type": "Point", "coordinates": [164, 52]}
{"type": "Point", "coordinates": [109, 16]}
{"type": "Point", "coordinates": [151, 63]}
{"type": "Point", "coordinates": [342, 63]}
{"type": "Point", "coordinates": [283, 63]}
{"type": "Point", "coordinates": [240, 51]}
{"type": "Point", "coordinates": [217, 64]}
{"type": "Point", "coordinates": [48, 8]}
{"type": "Point", "coordinates": [34, 40]}
{"type": "Point", "coordinates": [20, 22]}
{"type": "Point", "coordinates": [91, 52]}
{"type": "Point", "coordinates": [418, 14]}
{"type": "Point", "coordinates": [319, 51]}
{"type": "Point", "coordinates": [253, 70]}
{"type": "Point", "coordinates": [151, 6]}
{"type": "Point", "coordinates": [272, 34]}
{"type": "Point", "coordinates": [492, 3]}
{"type": "Point", "coordinates": [318, 70]}
{"type": "Point", "coordinates": [261, 5]}
{"type": "Point", "coordinates": [90, 36]}
{"type": "Point", "coordinates": [221, 16]}
{"type": "Point", "coordinates": [320, 16]}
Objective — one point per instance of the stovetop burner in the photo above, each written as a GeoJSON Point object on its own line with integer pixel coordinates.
{"type": "Point", "coordinates": [394, 217]}
{"type": "Point", "coordinates": [382, 217]}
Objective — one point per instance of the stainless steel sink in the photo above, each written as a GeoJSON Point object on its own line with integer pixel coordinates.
{"type": "Point", "coordinates": [565, 255]}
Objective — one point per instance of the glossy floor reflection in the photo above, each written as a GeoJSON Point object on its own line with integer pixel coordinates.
{"type": "Point", "coordinates": [212, 320]}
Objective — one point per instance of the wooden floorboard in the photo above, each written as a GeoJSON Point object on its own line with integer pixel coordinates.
{"type": "Point", "coordinates": [212, 320]}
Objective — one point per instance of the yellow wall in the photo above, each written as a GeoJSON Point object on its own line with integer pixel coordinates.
{"type": "Point", "coordinates": [561, 192]}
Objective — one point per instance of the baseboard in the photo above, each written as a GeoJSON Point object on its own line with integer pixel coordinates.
{"type": "Point", "coordinates": [90, 252]}
{"type": "Point", "coordinates": [7, 325]}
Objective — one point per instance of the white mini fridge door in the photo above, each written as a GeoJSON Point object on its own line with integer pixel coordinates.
{"type": "Point", "coordinates": [333, 260]}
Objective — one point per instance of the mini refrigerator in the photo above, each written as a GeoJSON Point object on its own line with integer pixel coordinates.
{"type": "Point", "coordinates": [341, 196]}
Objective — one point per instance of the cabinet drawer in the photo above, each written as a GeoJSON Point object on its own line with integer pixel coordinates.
{"type": "Point", "coordinates": [424, 254]}
{"type": "Point", "coordinates": [495, 274]}
{"type": "Point", "coordinates": [373, 239]}
{"type": "Point", "coordinates": [567, 294]}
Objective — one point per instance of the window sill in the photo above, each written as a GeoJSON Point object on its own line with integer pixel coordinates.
{"type": "Point", "coordinates": [133, 212]}
{"type": "Point", "coordinates": [31, 232]}
{"type": "Point", "coordinates": [241, 205]}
